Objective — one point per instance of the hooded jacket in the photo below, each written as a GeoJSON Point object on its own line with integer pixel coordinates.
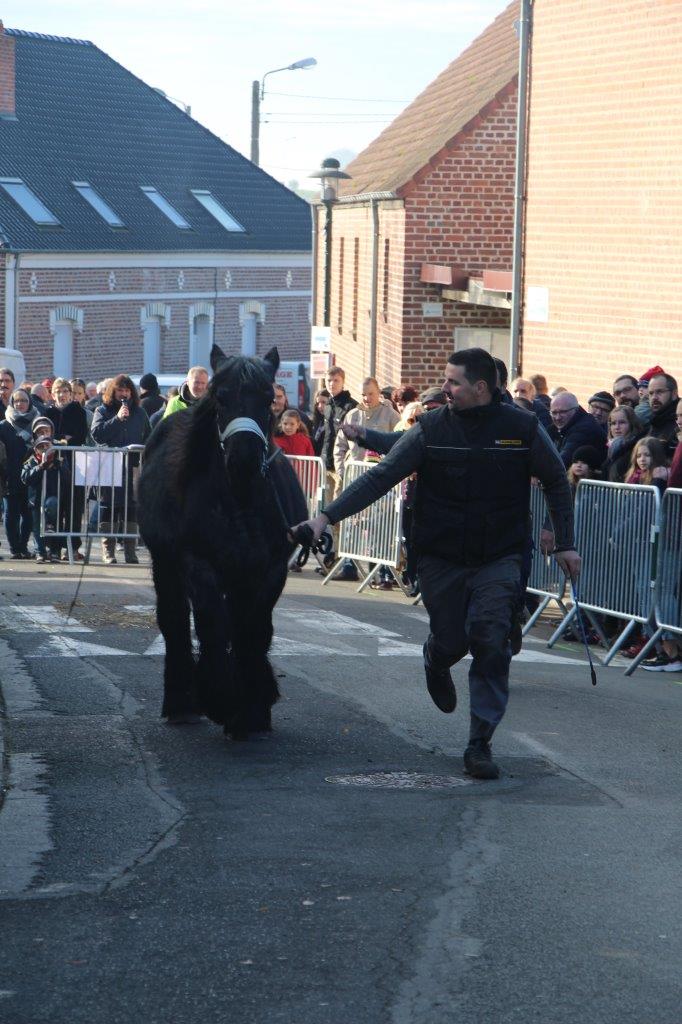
{"type": "Point", "coordinates": [581, 430]}
{"type": "Point", "coordinates": [16, 436]}
{"type": "Point", "coordinates": [382, 417]}
{"type": "Point", "coordinates": [335, 410]}
{"type": "Point", "coordinates": [183, 400]}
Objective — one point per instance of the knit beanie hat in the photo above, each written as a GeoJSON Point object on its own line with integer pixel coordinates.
{"type": "Point", "coordinates": [40, 422]}
{"type": "Point", "coordinates": [587, 453]}
{"type": "Point", "coordinates": [605, 397]}
{"type": "Point", "coordinates": [655, 371]}
{"type": "Point", "coordinates": [148, 382]}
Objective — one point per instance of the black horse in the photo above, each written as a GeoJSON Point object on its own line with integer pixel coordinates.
{"type": "Point", "coordinates": [215, 500]}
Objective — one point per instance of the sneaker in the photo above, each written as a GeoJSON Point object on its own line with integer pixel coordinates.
{"type": "Point", "coordinates": [41, 559]}
{"type": "Point", "coordinates": [635, 648]}
{"type": "Point", "coordinates": [662, 663]}
{"type": "Point", "coordinates": [478, 761]}
{"type": "Point", "coordinates": [64, 557]}
{"type": "Point", "coordinates": [78, 557]}
{"type": "Point", "coordinates": [439, 684]}
{"type": "Point", "coordinates": [109, 559]}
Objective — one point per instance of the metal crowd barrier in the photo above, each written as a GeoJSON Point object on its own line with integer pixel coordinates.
{"type": "Point", "coordinates": [373, 535]}
{"type": "Point", "coordinates": [668, 585]}
{"type": "Point", "coordinates": [546, 578]}
{"type": "Point", "coordinates": [95, 496]}
{"type": "Point", "coordinates": [311, 474]}
{"type": "Point", "coordinates": [616, 527]}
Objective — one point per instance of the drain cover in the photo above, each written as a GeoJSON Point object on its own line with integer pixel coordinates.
{"type": "Point", "coordinates": [400, 780]}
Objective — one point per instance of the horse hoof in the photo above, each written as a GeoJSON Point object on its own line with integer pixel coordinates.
{"type": "Point", "coordinates": [188, 718]}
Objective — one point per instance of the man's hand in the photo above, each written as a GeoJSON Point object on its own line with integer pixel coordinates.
{"type": "Point", "coordinates": [546, 542]}
{"type": "Point", "coordinates": [317, 525]}
{"type": "Point", "coordinates": [353, 431]}
{"type": "Point", "coordinates": [570, 562]}
{"type": "Point", "coordinates": [123, 413]}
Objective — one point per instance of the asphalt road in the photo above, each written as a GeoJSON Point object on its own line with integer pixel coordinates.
{"type": "Point", "coordinates": [344, 871]}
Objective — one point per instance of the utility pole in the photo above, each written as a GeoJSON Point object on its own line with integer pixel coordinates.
{"type": "Point", "coordinates": [255, 123]}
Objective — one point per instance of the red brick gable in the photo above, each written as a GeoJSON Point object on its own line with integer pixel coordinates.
{"type": "Point", "coordinates": [445, 108]}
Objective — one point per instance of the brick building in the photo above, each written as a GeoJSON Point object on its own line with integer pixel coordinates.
{"type": "Point", "coordinates": [603, 246]}
{"type": "Point", "coordinates": [421, 247]}
{"type": "Point", "coordinates": [130, 236]}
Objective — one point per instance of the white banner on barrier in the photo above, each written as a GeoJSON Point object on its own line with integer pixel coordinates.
{"type": "Point", "coordinates": [98, 468]}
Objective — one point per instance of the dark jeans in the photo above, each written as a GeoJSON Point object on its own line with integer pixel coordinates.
{"type": "Point", "coordinates": [50, 520]}
{"type": "Point", "coordinates": [18, 521]}
{"type": "Point", "coordinates": [471, 609]}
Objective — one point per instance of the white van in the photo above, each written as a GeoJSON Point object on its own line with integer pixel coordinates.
{"type": "Point", "coordinates": [13, 359]}
{"type": "Point", "coordinates": [295, 378]}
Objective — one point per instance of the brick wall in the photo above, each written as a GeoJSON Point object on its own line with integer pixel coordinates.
{"type": "Point", "coordinates": [604, 213]}
{"type": "Point", "coordinates": [460, 213]}
{"type": "Point", "coordinates": [7, 74]}
{"type": "Point", "coordinates": [111, 339]}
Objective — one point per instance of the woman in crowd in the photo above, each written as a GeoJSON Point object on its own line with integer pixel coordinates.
{"type": "Point", "coordinates": [402, 396]}
{"type": "Point", "coordinates": [408, 416]}
{"type": "Point", "coordinates": [70, 427]}
{"type": "Point", "coordinates": [15, 434]}
{"type": "Point", "coordinates": [648, 464]}
{"type": "Point", "coordinates": [625, 430]}
{"type": "Point", "coordinates": [291, 435]}
{"type": "Point", "coordinates": [118, 423]}
{"type": "Point", "coordinates": [79, 395]}
{"type": "Point", "coordinates": [319, 405]}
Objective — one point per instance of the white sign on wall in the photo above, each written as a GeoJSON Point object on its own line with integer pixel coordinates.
{"type": "Point", "coordinates": [320, 339]}
{"type": "Point", "coordinates": [537, 304]}
{"type": "Point", "coordinates": [432, 309]}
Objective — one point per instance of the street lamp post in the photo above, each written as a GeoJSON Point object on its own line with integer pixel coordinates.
{"type": "Point", "coordinates": [257, 96]}
{"type": "Point", "coordinates": [330, 174]}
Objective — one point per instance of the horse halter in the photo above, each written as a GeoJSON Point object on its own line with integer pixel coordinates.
{"type": "Point", "coordinates": [241, 425]}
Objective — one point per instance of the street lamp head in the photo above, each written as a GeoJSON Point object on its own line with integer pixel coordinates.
{"type": "Point", "coordinates": [330, 174]}
{"type": "Point", "coordinates": [307, 62]}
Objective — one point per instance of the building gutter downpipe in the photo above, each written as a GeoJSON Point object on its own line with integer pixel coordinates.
{"type": "Point", "coordinates": [519, 187]}
{"type": "Point", "coordinates": [313, 296]}
{"type": "Point", "coordinates": [374, 289]}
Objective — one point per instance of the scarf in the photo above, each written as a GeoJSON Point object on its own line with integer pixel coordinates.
{"type": "Point", "coordinates": [21, 421]}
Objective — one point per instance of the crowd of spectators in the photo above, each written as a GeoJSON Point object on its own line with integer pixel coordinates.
{"type": "Point", "coordinates": [628, 433]}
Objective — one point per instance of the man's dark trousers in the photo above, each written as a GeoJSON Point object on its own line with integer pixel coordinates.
{"type": "Point", "coordinates": [471, 609]}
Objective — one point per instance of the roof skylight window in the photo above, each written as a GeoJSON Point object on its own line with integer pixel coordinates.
{"type": "Point", "coordinates": [210, 203]}
{"type": "Point", "coordinates": [162, 203]}
{"type": "Point", "coordinates": [28, 201]}
{"type": "Point", "coordinates": [98, 204]}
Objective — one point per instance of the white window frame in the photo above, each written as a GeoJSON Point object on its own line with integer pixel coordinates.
{"type": "Point", "coordinates": [23, 196]}
{"type": "Point", "coordinates": [166, 207]}
{"type": "Point", "coordinates": [99, 205]}
{"type": "Point", "coordinates": [216, 209]}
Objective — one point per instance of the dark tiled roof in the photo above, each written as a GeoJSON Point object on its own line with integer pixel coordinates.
{"type": "Point", "coordinates": [83, 117]}
{"type": "Point", "coordinates": [441, 111]}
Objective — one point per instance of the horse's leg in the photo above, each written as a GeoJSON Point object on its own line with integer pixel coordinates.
{"type": "Point", "coordinates": [255, 686]}
{"type": "Point", "coordinates": [212, 629]}
{"type": "Point", "coordinates": [172, 615]}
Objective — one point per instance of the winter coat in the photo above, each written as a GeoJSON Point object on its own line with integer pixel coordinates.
{"type": "Point", "coordinates": [181, 401]}
{"type": "Point", "coordinates": [617, 463]}
{"type": "Point", "coordinates": [383, 417]}
{"type": "Point", "coordinates": [17, 445]}
{"type": "Point", "coordinates": [663, 425]}
{"type": "Point", "coordinates": [151, 402]}
{"type": "Point", "coordinates": [581, 430]}
{"type": "Point", "coordinates": [108, 430]}
{"type": "Point", "coordinates": [675, 477]}
{"type": "Point", "coordinates": [70, 423]}
{"type": "Point", "coordinates": [56, 475]}
{"type": "Point", "coordinates": [294, 444]}
{"type": "Point", "coordinates": [334, 413]}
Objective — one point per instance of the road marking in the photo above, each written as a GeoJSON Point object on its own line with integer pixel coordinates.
{"type": "Point", "coordinates": [65, 647]}
{"type": "Point", "coordinates": [333, 623]}
{"type": "Point", "coordinates": [25, 833]}
{"type": "Point", "coordinates": [140, 609]}
{"type": "Point", "coordinates": [156, 647]}
{"type": "Point", "coordinates": [393, 649]}
{"type": "Point", "coordinates": [30, 618]}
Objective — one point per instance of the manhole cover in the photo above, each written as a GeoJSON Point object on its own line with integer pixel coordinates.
{"type": "Point", "coordinates": [400, 780]}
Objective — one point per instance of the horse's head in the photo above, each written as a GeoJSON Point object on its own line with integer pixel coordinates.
{"type": "Point", "coordinates": [242, 389]}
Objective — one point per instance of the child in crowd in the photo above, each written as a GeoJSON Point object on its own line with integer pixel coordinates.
{"type": "Point", "coordinates": [45, 465]}
{"type": "Point", "coordinates": [648, 464]}
{"type": "Point", "coordinates": [292, 436]}
{"type": "Point", "coordinates": [584, 466]}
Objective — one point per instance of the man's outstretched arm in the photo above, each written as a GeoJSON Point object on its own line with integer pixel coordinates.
{"type": "Point", "coordinates": [405, 457]}
{"type": "Point", "coordinates": [547, 466]}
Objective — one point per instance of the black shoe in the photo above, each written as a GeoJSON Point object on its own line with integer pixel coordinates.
{"type": "Point", "coordinates": [440, 685]}
{"type": "Point", "coordinates": [348, 574]}
{"type": "Point", "coordinates": [478, 761]}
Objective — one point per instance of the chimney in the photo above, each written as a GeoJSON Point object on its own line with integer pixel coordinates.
{"type": "Point", "coordinates": [7, 76]}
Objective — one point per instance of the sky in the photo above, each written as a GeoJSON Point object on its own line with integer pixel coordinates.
{"type": "Point", "coordinates": [373, 58]}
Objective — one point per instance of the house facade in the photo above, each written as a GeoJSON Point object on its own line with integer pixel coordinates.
{"type": "Point", "coordinates": [603, 238]}
{"type": "Point", "coordinates": [421, 240]}
{"type": "Point", "coordinates": [131, 237]}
